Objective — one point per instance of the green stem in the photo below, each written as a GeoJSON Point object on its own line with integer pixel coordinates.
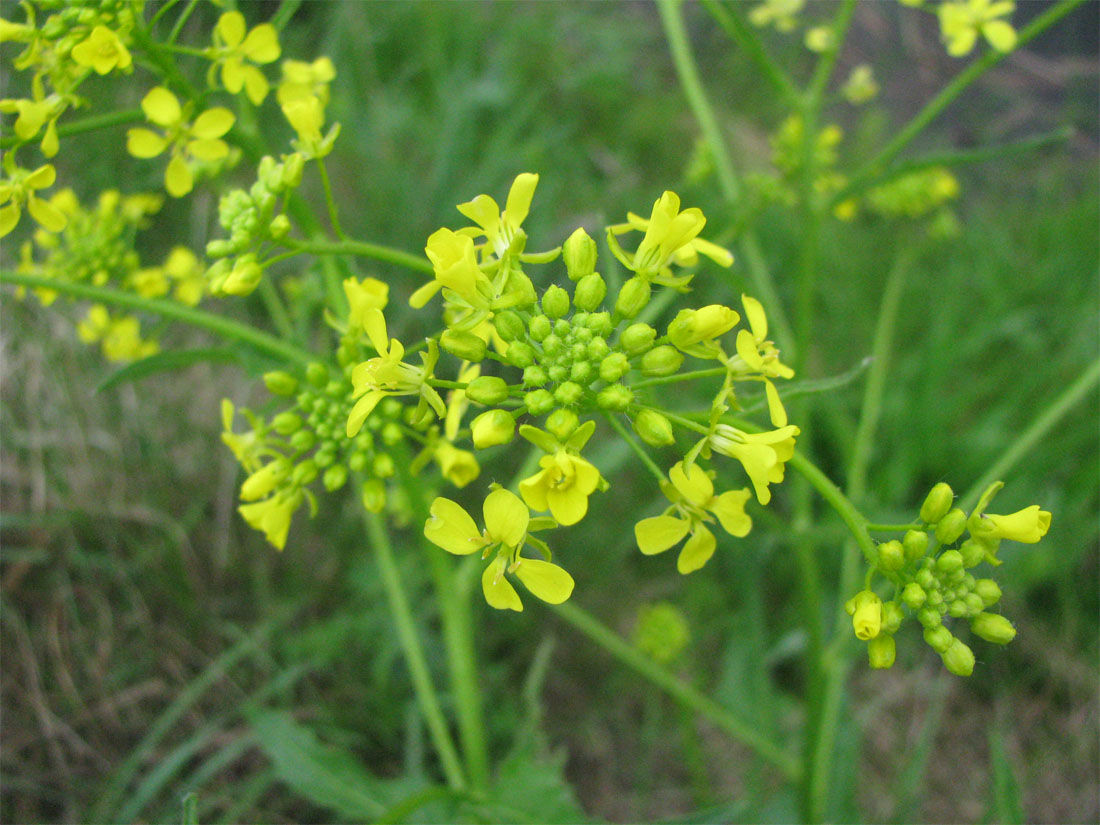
{"type": "Point", "coordinates": [677, 689]}
{"type": "Point", "coordinates": [276, 309]}
{"type": "Point", "coordinates": [330, 203]}
{"type": "Point", "coordinates": [1038, 430]}
{"type": "Point", "coordinates": [226, 328]}
{"type": "Point", "coordinates": [414, 653]}
{"type": "Point", "coordinates": [878, 164]}
{"type": "Point", "coordinates": [363, 250]}
{"type": "Point", "coordinates": [744, 35]}
{"type": "Point", "coordinates": [680, 376]}
{"type": "Point", "coordinates": [645, 458]}
{"type": "Point", "coordinates": [286, 10]}
{"type": "Point", "coordinates": [827, 60]}
{"type": "Point", "coordinates": [893, 528]}
{"type": "Point", "coordinates": [88, 124]}
{"type": "Point", "coordinates": [181, 21]}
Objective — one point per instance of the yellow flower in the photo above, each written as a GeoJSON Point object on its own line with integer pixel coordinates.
{"type": "Point", "coordinates": [185, 269]}
{"type": "Point", "coordinates": [33, 114]}
{"type": "Point", "coordinates": [370, 293]}
{"type": "Point", "coordinates": [272, 515]}
{"type": "Point", "coordinates": [387, 374]}
{"type": "Point", "coordinates": [562, 486]}
{"type": "Point", "coordinates": [763, 455]}
{"type": "Point", "coordinates": [246, 446]}
{"type": "Point", "coordinates": [307, 115]}
{"type": "Point", "coordinates": [783, 14]}
{"type": "Point", "coordinates": [501, 228]}
{"type": "Point", "coordinates": [694, 330]}
{"type": "Point", "coordinates": [861, 85]}
{"type": "Point", "coordinates": [119, 338]}
{"type": "Point", "coordinates": [692, 495]}
{"type": "Point", "coordinates": [302, 80]}
{"type": "Point", "coordinates": [233, 46]}
{"type": "Point", "coordinates": [456, 270]}
{"type": "Point", "coordinates": [103, 51]}
{"type": "Point", "coordinates": [200, 140]}
{"type": "Point", "coordinates": [757, 354]}
{"type": "Point", "coordinates": [865, 608]}
{"type": "Point", "coordinates": [961, 22]}
{"type": "Point", "coordinates": [151, 282]}
{"type": "Point", "coordinates": [507, 525]}
{"type": "Point", "coordinates": [19, 188]}
{"type": "Point", "coordinates": [459, 467]}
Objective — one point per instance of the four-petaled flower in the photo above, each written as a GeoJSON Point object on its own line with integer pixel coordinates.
{"type": "Point", "coordinates": [763, 455]}
{"type": "Point", "coordinates": [19, 188]}
{"type": "Point", "coordinates": [507, 526]}
{"type": "Point", "coordinates": [501, 228]}
{"type": "Point", "coordinates": [562, 486]}
{"type": "Point", "coordinates": [961, 22]}
{"type": "Point", "coordinates": [103, 51]}
{"type": "Point", "coordinates": [233, 46]}
{"type": "Point", "coordinates": [692, 495]}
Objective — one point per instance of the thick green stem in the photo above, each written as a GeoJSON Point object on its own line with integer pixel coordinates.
{"type": "Point", "coordinates": [363, 250]}
{"type": "Point", "coordinates": [226, 328]}
{"type": "Point", "coordinates": [677, 689]}
{"type": "Point", "coordinates": [414, 653]}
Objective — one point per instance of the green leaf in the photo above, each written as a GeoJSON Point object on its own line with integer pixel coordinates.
{"type": "Point", "coordinates": [167, 361]}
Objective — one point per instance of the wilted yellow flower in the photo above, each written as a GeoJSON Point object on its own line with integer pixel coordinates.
{"type": "Point", "coordinates": [763, 455]}
{"type": "Point", "coordinates": [272, 515]}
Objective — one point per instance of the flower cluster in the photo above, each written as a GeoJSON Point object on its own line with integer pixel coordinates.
{"type": "Point", "coordinates": [931, 578]}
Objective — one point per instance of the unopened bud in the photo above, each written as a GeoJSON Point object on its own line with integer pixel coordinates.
{"type": "Point", "coordinates": [959, 659]}
{"type": "Point", "coordinates": [913, 595]}
{"type": "Point", "coordinates": [536, 376]}
{"type": "Point", "coordinates": [373, 495]}
{"type": "Point", "coordinates": [568, 393]}
{"type": "Point", "coordinates": [653, 428]}
{"type": "Point", "coordinates": [243, 279]}
{"type": "Point", "coordinates": [633, 297]}
{"type": "Point", "coordinates": [293, 165]}
{"type": "Point", "coordinates": [286, 423]}
{"type": "Point", "coordinates": [491, 428]}
{"type": "Point", "coordinates": [303, 440]}
{"type": "Point", "coordinates": [539, 402]}
{"type": "Point", "coordinates": [561, 424]}
{"type": "Point", "coordinates": [949, 561]}
{"type": "Point", "coordinates": [304, 473]}
{"type": "Point", "coordinates": [555, 302]}
{"type": "Point", "coordinates": [614, 366]}
{"type": "Point", "coordinates": [988, 590]}
{"type": "Point", "coordinates": [590, 292]}
{"type": "Point", "coordinates": [335, 477]}
{"type": "Point", "coordinates": [280, 383]}
{"type": "Point", "coordinates": [662, 360]}
{"type": "Point", "coordinates": [317, 374]}
{"type": "Point", "coordinates": [509, 325]}
{"type": "Point", "coordinates": [937, 503]}
{"type": "Point", "coordinates": [691, 326]}
{"type": "Point", "coordinates": [383, 466]}
{"type": "Point", "coordinates": [951, 526]}
{"type": "Point", "coordinates": [939, 638]}
{"type": "Point", "coordinates": [280, 227]}
{"type": "Point", "coordinates": [538, 328]}
{"type": "Point", "coordinates": [881, 651]}
{"type": "Point", "coordinates": [579, 253]}
{"type": "Point", "coordinates": [973, 553]}
{"type": "Point", "coordinates": [915, 543]}
{"type": "Point", "coordinates": [891, 556]}
{"type": "Point", "coordinates": [637, 338]}
{"type": "Point", "coordinates": [487, 389]}
{"type": "Point", "coordinates": [520, 354]}
{"type": "Point", "coordinates": [892, 617]}
{"type": "Point", "coordinates": [463, 344]}
{"type": "Point", "coordinates": [616, 398]}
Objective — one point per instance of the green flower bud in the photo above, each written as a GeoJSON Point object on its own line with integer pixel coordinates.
{"type": "Point", "coordinates": [633, 297]}
{"type": "Point", "coordinates": [556, 373]}
{"type": "Point", "coordinates": [614, 367]}
{"type": "Point", "coordinates": [582, 335]}
{"type": "Point", "coordinates": [993, 628]}
{"type": "Point", "coordinates": [219, 248]}
{"type": "Point", "coordinates": [325, 456]}
{"type": "Point", "coordinates": [616, 398]}
{"type": "Point", "coordinates": [913, 595]}
{"type": "Point", "coordinates": [536, 376]}
{"type": "Point", "coordinates": [892, 617]}
{"type": "Point", "coordinates": [538, 327]}
{"type": "Point", "coordinates": [951, 526]}
{"type": "Point", "coordinates": [303, 440]}
{"type": "Point", "coordinates": [957, 608]}
{"type": "Point", "coordinates": [552, 346]}
{"type": "Point", "coordinates": [929, 617]}
{"type": "Point", "coordinates": [653, 428]}
{"type": "Point", "coordinates": [487, 390]}
{"type": "Point", "coordinates": [568, 393]}
{"type": "Point", "coordinates": [539, 402]}
{"type": "Point", "coordinates": [949, 561]}
{"type": "Point", "coordinates": [596, 349]}
{"type": "Point", "coordinates": [293, 165]}
{"type": "Point", "coordinates": [600, 323]}
{"type": "Point", "coordinates": [915, 544]}
{"type": "Point", "coordinates": [391, 434]}
{"type": "Point", "coordinates": [891, 556]}
{"type": "Point", "coordinates": [280, 227]}
{"type": "Point", "coordinates": [280, 383]}
{"type": "Point", "coordinates": [637, 338]}
{"type": "Point", "coordinates": [881, 651]}
{"type": "Point", "coordinates": [509, 325]}
{"type": "Point", "coordinates": [577, 351]}
{"type": "Point", "coordinates": [373, 495]}
{"type": "Point", "coordinates": [988, 590]}
{"type": "Point", "coordinates": [663, 360]}
{"type": "Point", "coordinates": [691, 326]}
{"type": "Point", "coordinates": [304, 473]}
{"type": "Point", "coordinates": [590, 292]}
{"type": "Point", "coordinates": [383, 466]}
{"type": "Point", "coordinates": [357, 461]}
{"type": "Point", "coordinates": [937, 503]}
{"type": "Point", "coordinates": [974, 604]}
{"type": "Point", "coordinates": [579, 252]}
{"type": "Point", "coordinates": [958, 658]}
{"type": "Point", "coordinates": [491, 428]}
{"type": "Point", "coordinates": [925, 578]}
{"type": "Point", "coordinates": [579, 319]}
{"type": "Point", "coordinates": [973, 553]}
{"type": "Point", "coordinates": [364, 441]}
{"type": "Point", "coordinates": [555, 302]}
{"type": "Point", "coordinates": [462, 344]}
{"type": "Point", "coordinates": [938, 638]}
{"type": "Point", "coordinates": [562, 328]}
{"type": "Point", "coordinates": [335, 477]}
{"type": "Point", "coordinates": [317, 374]}
{"type": "Point", "coordinates": [520, 354]}
{"type": "Point", "coordinates": [520, 287]}
{"type": "Point", "coordinates": [580, 372]}
{"type": "Point", "coordinates": [935, 598]}
{"type": "Point", "coordinates": [243, 278]}
{"type": "Point", "coordinates": [561, 423]}
{"type": "Point", "coordinates": [286, 423]}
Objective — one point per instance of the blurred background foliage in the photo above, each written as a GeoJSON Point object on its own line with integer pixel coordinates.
{"type": "Point", "coordinates": [154, 646]}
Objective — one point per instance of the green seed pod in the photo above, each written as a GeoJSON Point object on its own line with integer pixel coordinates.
{"type": "Point", "coordinates": [335, 477]}
{"type": "Point", "coordinates": [663, 360]}
{"type": "Point", "coordinates": [569, 393]}
{"type": "Point", "coordinates": [491, 428]}
{"type": "Point", "coordinates": [579, 252]}
{"type": "Point", "coordinates": [988, 590]}
{"type": "Point", "coordinates": [973, 553]}
{"type": "Point", "coordinates": [937, 503]}
{"type": "Point", "coordinates": [539, 402]}
{"type": "Point", "coordinates": [614, 367]}
{"type": "Point", "coordinates": [653, 428]}
{"type": "Point", "coordinates": [915, 544]}
{"type": "Point", "coordinates": [589, 293]}
{"type": "Point", "coordinates": [958, 658]}
{"type": "Point", "coordinates": [891, 556]}
{"type": "Point", "coordinates": [304, 473]}
{"type": "Point", "coordinates": [633, 297]}
{"type": "Point", "coordinates": [881, 651]}
{"type": "Point", "coordinates": [520, 354]}
{"type": "Point", "coordinates": [929, 617]}
{"type": "Point", "coordinates": [555, 302]}
{"type": "Point", "coordinates": [462, 344]}
{"type": "Point", "coordinates": [280, 227]}
{"type": "Point", "coordinates": [538, 327]}
{"type": "Point", "coordinates": [383, 466]}
{"type": "Point", "coordinates": [637, 339]}
{"type": "Point", "coordinates": [913, 595]}
{"type": "Point", "coordinates": [488, 389]}
{"type": "Point", "coordinates": [993, 628]}
{"type": "Point", "coordinates": [317, 374]}
{"type": "Point", "coordinates": [951, 526]}
{"type": "Point", "coordinates": [373, 495]}
{"type": "Point", "coordinates": [303, 440]}
{"type": "Point", "coordinates": [616, 398]}
{"type": "Point", "coordinates": [938, 638]}
{"type": "Point", "coordinates": [286, 423]}
{"type": "Point", "coordinates": [280, 383]}
{"type": "Point", "coordinates": [509, 325]}
{"type": "Point", "coordinates": [561, 424]}
{"type": "Point", "coordinates": [949, 561]}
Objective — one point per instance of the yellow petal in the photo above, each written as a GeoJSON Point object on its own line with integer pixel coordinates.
{"type": "Point", "coordinates": [50, 143]}
{"type": "Point", "coordinates": [452, 528]}
{"type": "Point", "coordinates": [519, 198]}
{"type": "Point", "coordinates": [533, 490]}
{"type": "Point", "coordinates": [233, 75]}
{"type": "Point", "coordinates": [694, 484]}
{"type": "Point", "coordinates": [375, 324]}
{"type": "Point", "coordinates": [758, 321]}
{"type": "Point", "coordinates": [758, 460]}
{"type": "Point", "coordinates": [262, 44]}
{"type": "Point", "coordinates": [9, 217]}
{"type": "Point", "coordinates": [255, 84]}
{"type": "Point", "coordinates": [41, 178]}
{"type": "Point", "coordinates": [719, 254]}
{"type": "Point", "coordinates": [213, 123]}
{"type": "Point", "coordinates": [697, 551]}
{"type": "Point", "coordinates": [46, 214]}
{"type": "Point", "coordinates": [208, 149]}
{"type": "Point", "coordinates": [546, 581]}
{"type": "Point", "coordinates": [730, 509]}
{"type": "Point", "coordinates": [161, 107]}
{"type": "Point", "coordinates": [746, 348]}
{"type": "Point", "coordinates": [231, 28]}
{"type": "Point", "coordinates": [776, 409]}
{"type": "Point", "coordinates": [1001, 35]}
{"type": "Point", "coordinates": [657, 534]}
{"type": "Point", "coordinates": [499, 592]}
{"type": "Point", "coordinates": [178, 179]}
{"type": "Point", "coordinates": [363, 408]}
{"type": "Point", "coordinates": [506, 517]}
{"type": "Point", "coordinates": [568, 505]}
